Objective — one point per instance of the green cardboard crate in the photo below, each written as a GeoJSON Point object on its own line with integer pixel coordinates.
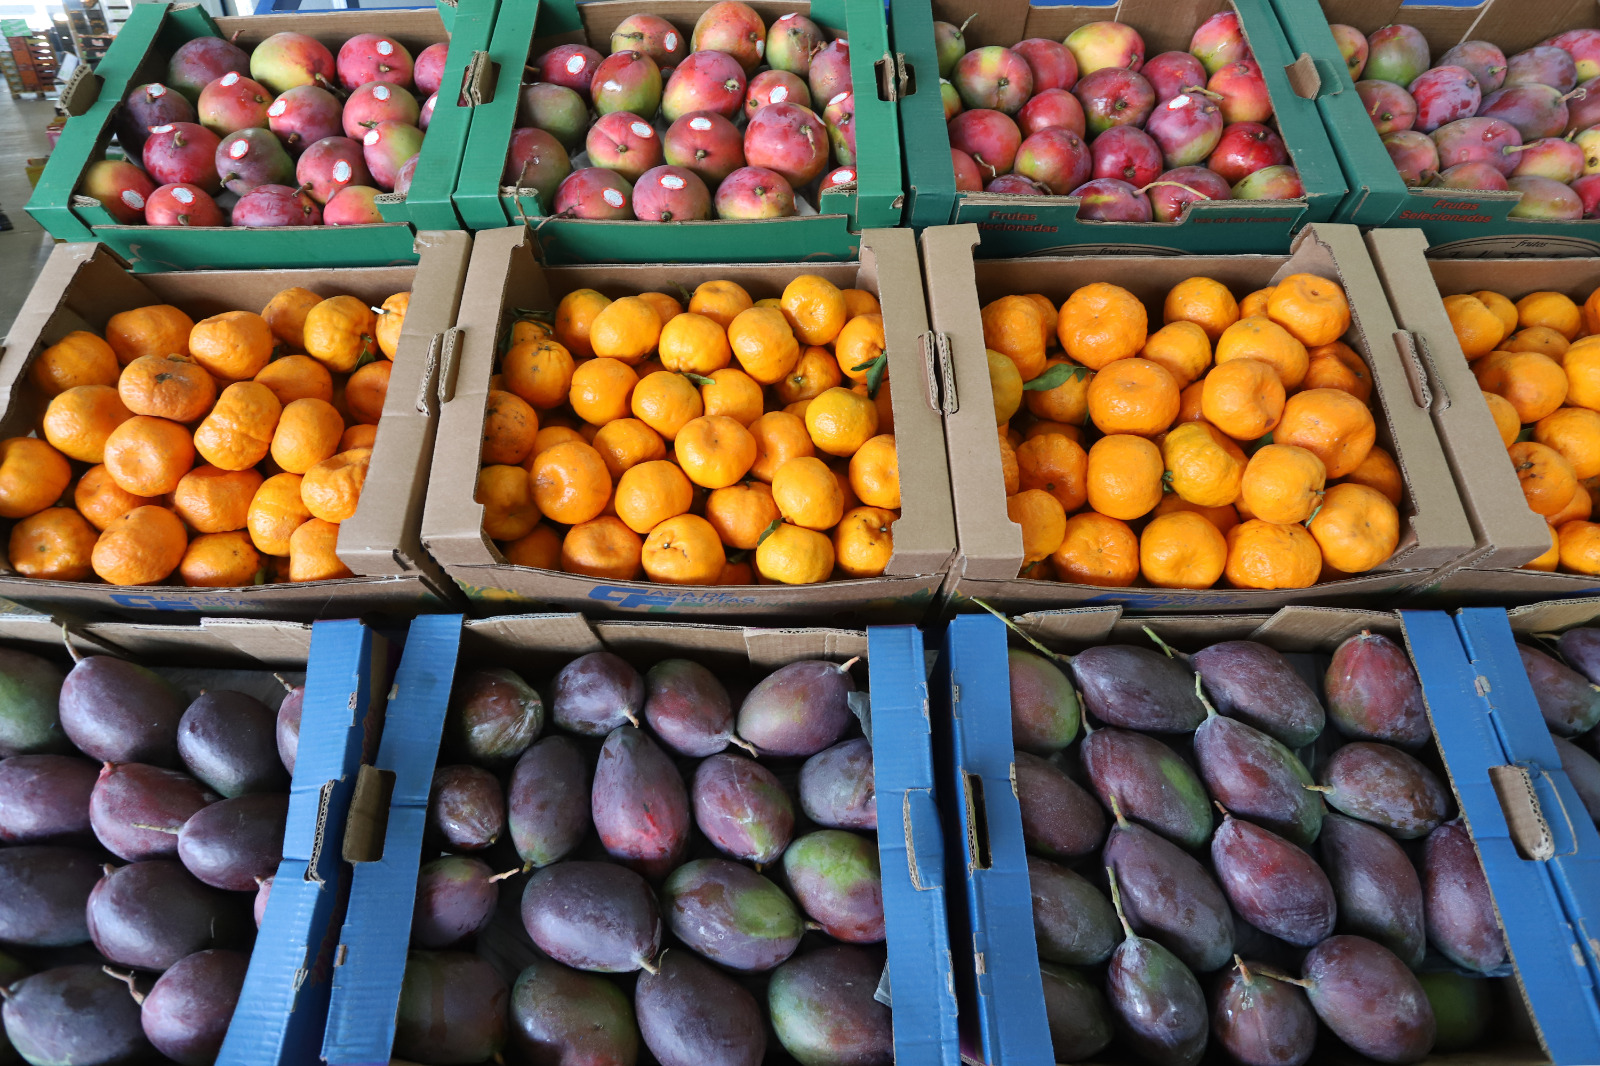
{"type": "Point", "coordinates": [1459, 223]}
{"type": "Point", "coordinates": [526, 29]}
{"type": "Point", "coordinates": [1044, 225]}
{"type": "Point", "coordinates": [140, 53]}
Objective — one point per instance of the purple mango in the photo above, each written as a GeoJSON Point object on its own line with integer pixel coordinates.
{"type": "Point", "coordinates": [466, 807]}
{"type": "Point", "coordinates": [639, 805]}
{"type": "Point", "coordinates": [456, 897]}
{"type": "Point", "coordinates": [1477, 140]}
{"type": "Point", "coordinates": [1390, 107]}
{"type": "Point", "coordinates": [547, 801]}
{"type": "Point", "coordinates": [1377, 888]}
{"type": "Point", "coordinates": [1486, 61]}
{"type": "Point", "coordinates": [148, 915]}
{"type": "Point", "coordinates": [186, 1014]}
{"type": "Point", "coordinates": [1249, 681]}
{"type": "Point", "coordinates": [594, 916]}
{"type": "Point", "coordinates": [1383, 785]}
{"type": "Point", "coordinates": [1443, 95]}
{"type": "Point", "coordinates": [45, 798]}
{"type": "Point", "coordinates": [597, 692]}
{"type": "Point", "coordinates": [1273, 885]}
{"type": "Point", "coordinates": [1458, 905]}
{"type": "Point", "coordinates": [1373, 692]}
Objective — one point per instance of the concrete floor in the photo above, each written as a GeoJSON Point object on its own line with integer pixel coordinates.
{"type": "Point", "coordinates": [24, 247]}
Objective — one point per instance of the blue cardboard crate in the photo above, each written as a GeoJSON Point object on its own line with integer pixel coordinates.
{"type": "Point", "coordinates": [1485, 721]}
{"type": "Point", "coordinates": [376, 934]}
{"type": "Point", "coordinates": [284, 1003]}
{"type": "Point", "coordinates": [377, 928]}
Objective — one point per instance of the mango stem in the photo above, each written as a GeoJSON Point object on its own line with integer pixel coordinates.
{"type": "Point", "coordinates": [740, 742]}
{"type": "Point", "coordinates": [1285, 978]}
{"type": "Point", "coordinates": [66, 638]}
{"type": "Point", "coordinates": [1116, 901]}
{"type": "Point", "coordinates": [650, 968]}
{"type": "Point", "coordinates": [1054, 656]}
{"type": "Point", "coordinates": [1244, 972]}
{"type": "Point", "coordinates": [1211, 712]}
{"type": "Point", "coordinates": [126, 977]}
{"type": "Point", "coordinates": [1116, 812]}
{"type": "Point", "coordinates": [1163, 645]}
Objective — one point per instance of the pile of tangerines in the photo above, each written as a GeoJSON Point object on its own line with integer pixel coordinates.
{"type": "Point", "coordinates": [730, 441]}
{"type": "Point", "coordinates": [226, 451]}
{"type": "Point", "coordinates": [1538, 363]}
{"type": "Point", "coordinates": [1235, 442]}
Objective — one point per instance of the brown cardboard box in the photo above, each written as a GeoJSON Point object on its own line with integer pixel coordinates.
{"type": "Point", "coordinates": [505, 277]}
{"type": "Point", "coordinates": [1434, 530]}
{"type": "Point", "coordinates": [1508, 532]}
{"type": "Point", "coordinates": [83, 285]}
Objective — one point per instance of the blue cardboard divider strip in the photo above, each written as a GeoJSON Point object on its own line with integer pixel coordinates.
{"type": "Point", "coordinates": [284, 1004]}
{"type": "Point", "coordinates": [1480, 721]}
{"type": "Point", "coordinates": [1575, 869]}
{"type": "Point", "coordinates": [992, 936]}
{"type": "Point", "coordinates": [377, 931]}
{"type": "Point", "coordinates": [911, 856]}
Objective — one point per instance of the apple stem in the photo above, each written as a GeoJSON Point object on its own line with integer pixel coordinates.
{"type": "Point", "coordinates": [963, 27]}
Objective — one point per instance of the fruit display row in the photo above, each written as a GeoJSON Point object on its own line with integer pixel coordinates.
{"type": "Point", "coordinates": [1241, 856]}
{"type": "Point", "coordinates": [724, 442]}
{"type": "Point", "coordinates": [734, 119]}
{"type": "Point", "coordinates": [132, 889]}
{"type": "Point", "coordinates": [223, 452]}
{"type": "Point", "coordinates": [286, 135]}
{"type": "Point", "coordinates": [1477, 119]}
{"type": "Point", "coordinates": [673, 883]}
{"type": "Point", "coordinates": [1135, 139]}
{"type": "Point", "coordinates": [588, 885]}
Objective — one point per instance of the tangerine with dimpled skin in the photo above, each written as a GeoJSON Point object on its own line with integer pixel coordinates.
{"type": "Point", "coordinates": [1283, 483]}
{"type": "Point", "coordinates": [1535, 384]}
{"type": "Point", "coordinates": [859, 345]}
{"type": "Point", "coordinates": [1182, 550]}
{"type": "Point", "coordinates": [539, 371]}
{"type": "Point", "coordinates": [791, 555]}
{"type": "Point", "coordinates": [276, 511]}
{"type": "Point", "coordinates": [1204, 465]}
{"type": "Point", "coordinates": [145, 456]}
{"type": "Point", "coordinates": [570, 483]}
{"type": "Point", "coordinates": [285, 314]}
{"type": "Point", "coordinates": [808, 494]}
{"type": "Point", "coordinates": [1124, 476]}
{"type": "Point", "coordinates": [1097, 550]}
{"type": "Point", "coordinates": [574, 318]}
{"type": "Point", "coordinates": [1271, 555]}
{"type": "Point", "coordinates": [1548, 480]}
{"type": "Point", "coordinates": [840, 421]}
{"type": "Point", "coordinates": [54, 545]}
{"type": "Point", "coordinates": [1313, 309]}
{"type": "Point", "coordinates": [625, 329]}
{"type": "Point", "coordinates": [220, 560]}
{"type": "Point", "coordinates": [167, 386]}
{"type": "Point", "coordinates": [1333, 425]}
{"type": "Point", "coordinates": [237, 434]}
{"type": "Point", "coordinates": [216, 501]}
{"type": "Point", "coordinates": [875, 472]}
{"type": "Point", "coordinates": [506, 495]}
{"type": "Point", "coordinates": [1183, 348]}
{"type": "Point", "coordinates": [1043, 522]}
{"type": "Point", "coordinates": [1055, 464]}
{"type": "Point", "coordinates": [1243, 398]}
{"type": "Point", "coordinates": [313, 552]}
{"type": "Point", "coordinates": [1203, 301]}
{"type": "Point", "coordinates": [1133, 396]}
{"type": "Point", "coordinates": [233, 346]}
{"type": "Point", "coordinates": [79, 358]}
{"type": "Point", "coordinates": [651, 493]}
{"type": "Point", "coordinates": [602, 547]}
{"type": "Point", "coordinates": [159, 329]}
{"type": "Point", "coordinates": [1101, 323]}
{"type": "Point", "coordinates": [1267, 341]}
{"type": "Point", "coordinates": [1478, 329]}
{"type": "Point", "coordinates": [715, 451]}
{"type": "Point", "coordinates": [815, 309]}
{"type": "Point", "coordinates": [142, 547]}
{"type": "Point", "coordinates": [331, 490]}
{"type": "Point", "coordinates": [683, 550]}
{"type": "Point", "coordinates": [694, 344]}
{"type": "Point", "coordinates": [1014, 327]}
{"type": "Point", "coordinates": [741, 513]}
{"type": "Point", "coordinates": [763, 343]}
{"type": "Point", "coordinates": [1356, 527]}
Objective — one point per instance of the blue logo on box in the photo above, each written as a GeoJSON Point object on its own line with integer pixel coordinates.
{"type": "Point", "coordinates": [655, 599]}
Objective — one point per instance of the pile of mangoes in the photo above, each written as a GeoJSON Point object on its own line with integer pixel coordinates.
{"type": "Point", "coordinates": [1220, 821]}
{"type": "Point", "coordinates": [126, 888]}
{"type": "Point", "coordinates": [659, 882]}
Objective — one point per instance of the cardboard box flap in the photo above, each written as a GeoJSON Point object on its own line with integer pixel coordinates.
{"type": "Point", "coordinates": [1074, 627]}
{"type": "Point", "coordinates": [925, 533]}
{"type": "Point", "coordinates": [1508, 532]}
{"type": "Point", "coordinates": [911, 849]}
{"type": "Point", "coordinates": [266, 643]}
{"type": "Point", "coordinates": [393, 498]}
{"type": "Point", "coordinates": [284, 1001]}
{"type": "Point", "coordinates": [1314, 628]}
{"type": "Point", "coordinates": [997, 965]}
{"type": "Point", "coordinates": [1553, 616]}
{"type": "Point", "coordinates": [375, 939]}
{"type": "Point", "coordinates": [557, 636]}
{"type": "Point", "coordinates": [991, 544]}
{"type": "Point", "coordinates": [1484, 716]}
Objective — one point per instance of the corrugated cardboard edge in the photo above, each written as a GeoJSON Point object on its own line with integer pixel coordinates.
{"type": "Point", "coordinates": [1508, 532]}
